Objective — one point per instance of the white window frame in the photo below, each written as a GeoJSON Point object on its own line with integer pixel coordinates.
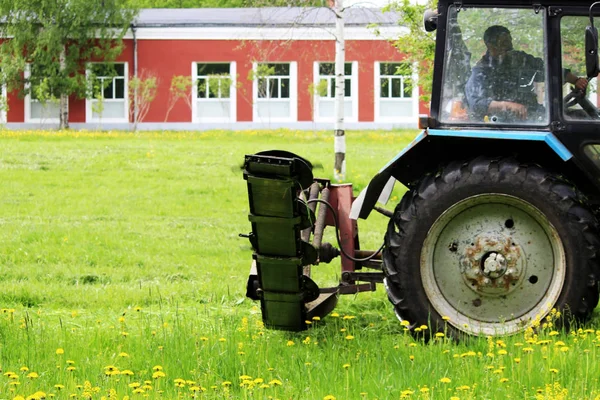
{"type": "Point", "coordinates": [232, 94]}
{"type": "Point", "coordinates": [293, 99]}
{"type": "Point", "coordinates": [413, 101]}
{"type": "Point", "coordinates": [29, 99]}
{"type": "Point", "coordinates": [353, 98]}
{"type": "Point", "coordinates": [89, 113]}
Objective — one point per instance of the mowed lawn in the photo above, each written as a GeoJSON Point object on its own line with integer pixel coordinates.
{"type": "Point", "coordinates": [123, 276]}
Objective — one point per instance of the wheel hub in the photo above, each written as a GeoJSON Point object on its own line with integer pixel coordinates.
{"type": "Point", "coordinates": [492, 264]}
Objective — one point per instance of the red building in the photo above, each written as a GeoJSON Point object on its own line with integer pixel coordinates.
{"type": "Point", "coordinates": [248, 68]}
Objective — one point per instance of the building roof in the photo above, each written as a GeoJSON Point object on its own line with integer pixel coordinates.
{"type": "Point", "coordinates": [262, 17]}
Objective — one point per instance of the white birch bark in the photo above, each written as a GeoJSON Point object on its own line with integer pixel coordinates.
{"type": "Point", "coordinates": [339, 169]}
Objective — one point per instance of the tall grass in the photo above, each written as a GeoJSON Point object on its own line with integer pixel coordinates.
{"type": "Point", "coordinates": [122, 275]}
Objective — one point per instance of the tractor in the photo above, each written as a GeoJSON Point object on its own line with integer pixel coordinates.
{"type": "Point", "coordinates": [499, 223]}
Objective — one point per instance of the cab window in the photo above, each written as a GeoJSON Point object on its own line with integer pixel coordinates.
{"type": "Point", "coordinates": [495, 67]}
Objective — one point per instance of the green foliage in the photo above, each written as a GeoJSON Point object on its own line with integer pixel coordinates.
{"type": "Point", "coordinates": [55, 38]}
{"type": "Point", "coordinates": [418, 46]}
{"type": "Point", "coordinates": [142, 92]}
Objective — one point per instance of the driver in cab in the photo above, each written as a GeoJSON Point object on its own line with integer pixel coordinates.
{"type": "Point", "coordinates": [502, 84]}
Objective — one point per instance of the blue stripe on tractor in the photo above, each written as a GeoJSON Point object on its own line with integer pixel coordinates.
{"type": "Point", "coordinates": [540, 136]}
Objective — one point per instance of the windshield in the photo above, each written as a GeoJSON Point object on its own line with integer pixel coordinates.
{"type": "Point", "coordinates": [494, 71]}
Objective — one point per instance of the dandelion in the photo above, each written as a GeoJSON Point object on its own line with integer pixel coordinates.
{"type": "Point", "coordinates": [158, 374]}
{"type": "Point", "coordinates": [445, 380]}
{"type": "Point", "coordinates": [349, 337]}
{"type": "Point", "coordinates": [316, 318]}
{"type": "Point", "coordinates": [411, 357]}
{"type": "Point", "coordinates": [60, 351]}
{"type": "Point", "coordinates": [122, 354]}
{"type": "Point", "coordinates": [503, 380]}
{"type": "Point", "coordinates": [226, 384]}
{"type": "Point", "coordinates": [553, 333]}
{"type": "Point", "coordinates": [275, 382]}
{"type": "Point", "coordinates": [446, 318]}
{"type": "Point", "coordinates": [346, 366]}
{"type": "Point", "coordinates": [517, 360]}
{"type": "Point", "coordinates": [157, 368]}
{"type": "Point", "coordinates": [439, 335]}
{"type": "Point", "coordinates": [222, 339]}
{"type": "Point", "coordinates": [127, 372]}
{"type": "Point", "coordinates": [23, 369]}
{"type": "Point", "coordinates": [33, 375]}
{"type": "Point", "coordinates": [554, 370]}
{"type": "Point", "coordinates": [329, 397]}
{"type": "Point", "coordinates": [59, 387]}
{"type": "Point", "coordinates": [423, 327]}
{"type": "Point", "coordinates": [71, 368]}
{"type": "Point", "coordinates": [404, 323]}
{"type": "Point", "coordinates": [424, 389]}
{"type": "Point", "coordinates": [290, 343]}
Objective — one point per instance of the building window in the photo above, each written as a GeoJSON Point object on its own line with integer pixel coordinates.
{"type": "Point", "coordinates": [324, 92]}
{"type": "Point", "coordinates": [108, 100]}
{"type": "Point", "coordinates": [275, 92]}
{"type": "Point", "coordinates": [42, 104]}
{"type": "Point", "coordinates": [396, 93]}
{"type": "Point", "coordinates": [214, 96]}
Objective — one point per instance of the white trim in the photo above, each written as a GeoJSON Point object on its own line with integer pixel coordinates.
{"type": "Point", "coordinates": [28, 100]}
{"type": "Point", "coordinates": [354, 98]}
{"type": "Point", "coordinates": [89, 114]}
{"type": "Point", "coordinates": [293, 99]}
{"type": "Point", "coordinates": [232, 93]}
{"type": "Point", "coordinates": [414, 96]}
{"type": "Point", "coordinates": [266, 33]}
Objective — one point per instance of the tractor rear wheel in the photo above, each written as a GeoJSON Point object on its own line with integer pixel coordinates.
{"type": "Point", "coordinates": [489, 246]}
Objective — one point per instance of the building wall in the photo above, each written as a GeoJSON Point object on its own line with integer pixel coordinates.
{"type": "Point", "coordinates": [166, 58]}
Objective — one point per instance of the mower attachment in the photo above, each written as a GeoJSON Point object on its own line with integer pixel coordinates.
{"type": "Point", "coordinates": [279, 215]}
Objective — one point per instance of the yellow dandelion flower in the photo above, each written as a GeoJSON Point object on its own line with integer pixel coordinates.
{"type": "Point", "coordinates": [553, 333]}
{"type": "Point", "coordinates": [411, 357]}
{"type": "Point", "coordinates": [503, 380]}
{"type": "Point", "coordinates": [424, 389]}
{"type": "Point", "coordinates": [226, 383]}
{"type": "Point", "coordinates": [275, 382]}
{"type": "Point", "coordinates": [439, 335]}
{"type": "Point", "coordinates": [71, 368]}
{"type": "Point", "coordinates": [423, 327]}
{"type": "Point", "coordinates": [346, 366]}
{"type": "Point", "coordinates": [446, 318]}
{"type": "Point", "coordinates": [158, 374]}
{"type": "Point", "coordinates": [554, 370]}
{"type": "Point", "coordinates": [316, 318]}
{"type": "Point", "coordinates": [349, 337]}
{"type": "Point", "coordinates": [59, 387]}
{"type": "Point", "coordinates": [245, 377]}
{"type": "Point", "coordinates": [502, 352]}
{"type": "Point", "coordinates": [127, 372]}
{"type": "Point", "coordinates": [157, 368]}
{"type": "Point", "coordinates": [33, 375]}
{"type": "Point", "coordinates": [347, 317]}
{"type": "Point", "coordinates": [60, 351]}
{"type": "Point", "coordinates": [23, 369]}
{"type": "Point", "coordinates": [334, 315]}
{"type": "Point", "coordinates": [329, 397]}
{"type": "Point", "coordinates": [517, 360]}
{"type": "Point", "coordinates": [290, 343]}
{"type": "Point", "coordinates": [222, 339]}
{"type": "Point", "coordinates": [445, 380]}
{"type": "Point", "coordinates": [122, 354]}
{"type": "Point", "coordinates": [404, 323]}
{"type": "Point", "coordinates": [564, 349]}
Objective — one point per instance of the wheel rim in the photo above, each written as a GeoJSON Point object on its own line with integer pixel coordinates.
{"type": "Point", "coordinates": [492, 263]}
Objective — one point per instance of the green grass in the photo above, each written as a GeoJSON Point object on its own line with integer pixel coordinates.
{"type": "Point", "coordinates": [122, 250]}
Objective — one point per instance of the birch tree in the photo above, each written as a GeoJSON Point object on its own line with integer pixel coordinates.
{"type": "Point", "coordinates": [51, 40]}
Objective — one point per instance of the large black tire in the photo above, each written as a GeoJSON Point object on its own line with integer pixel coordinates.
{"type": "Point", "coordinates": [486, 246]}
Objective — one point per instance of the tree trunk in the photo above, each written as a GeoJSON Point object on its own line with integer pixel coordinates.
{"type": "Point", "coordinates": [64, 99]}
{"type": "Point", "coordinates": [64, 111]}
{"type": "Point", "coordinates": [339, 167]}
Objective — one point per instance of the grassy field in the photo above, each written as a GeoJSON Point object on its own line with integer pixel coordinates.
{"type": "Point", "coordinates": [123, 276]}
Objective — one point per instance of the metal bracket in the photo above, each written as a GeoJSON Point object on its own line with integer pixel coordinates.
{"type": "Point", "coordinates": [537, 7]}
{"type": "Point", "coordinates": [458, 4]}
{"type": "Point", "coordinates": [554, 11]}
{"type": "Point", "coordinates": [557, 126]}
{"type": "Point", "coordinates": [376, 277]}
